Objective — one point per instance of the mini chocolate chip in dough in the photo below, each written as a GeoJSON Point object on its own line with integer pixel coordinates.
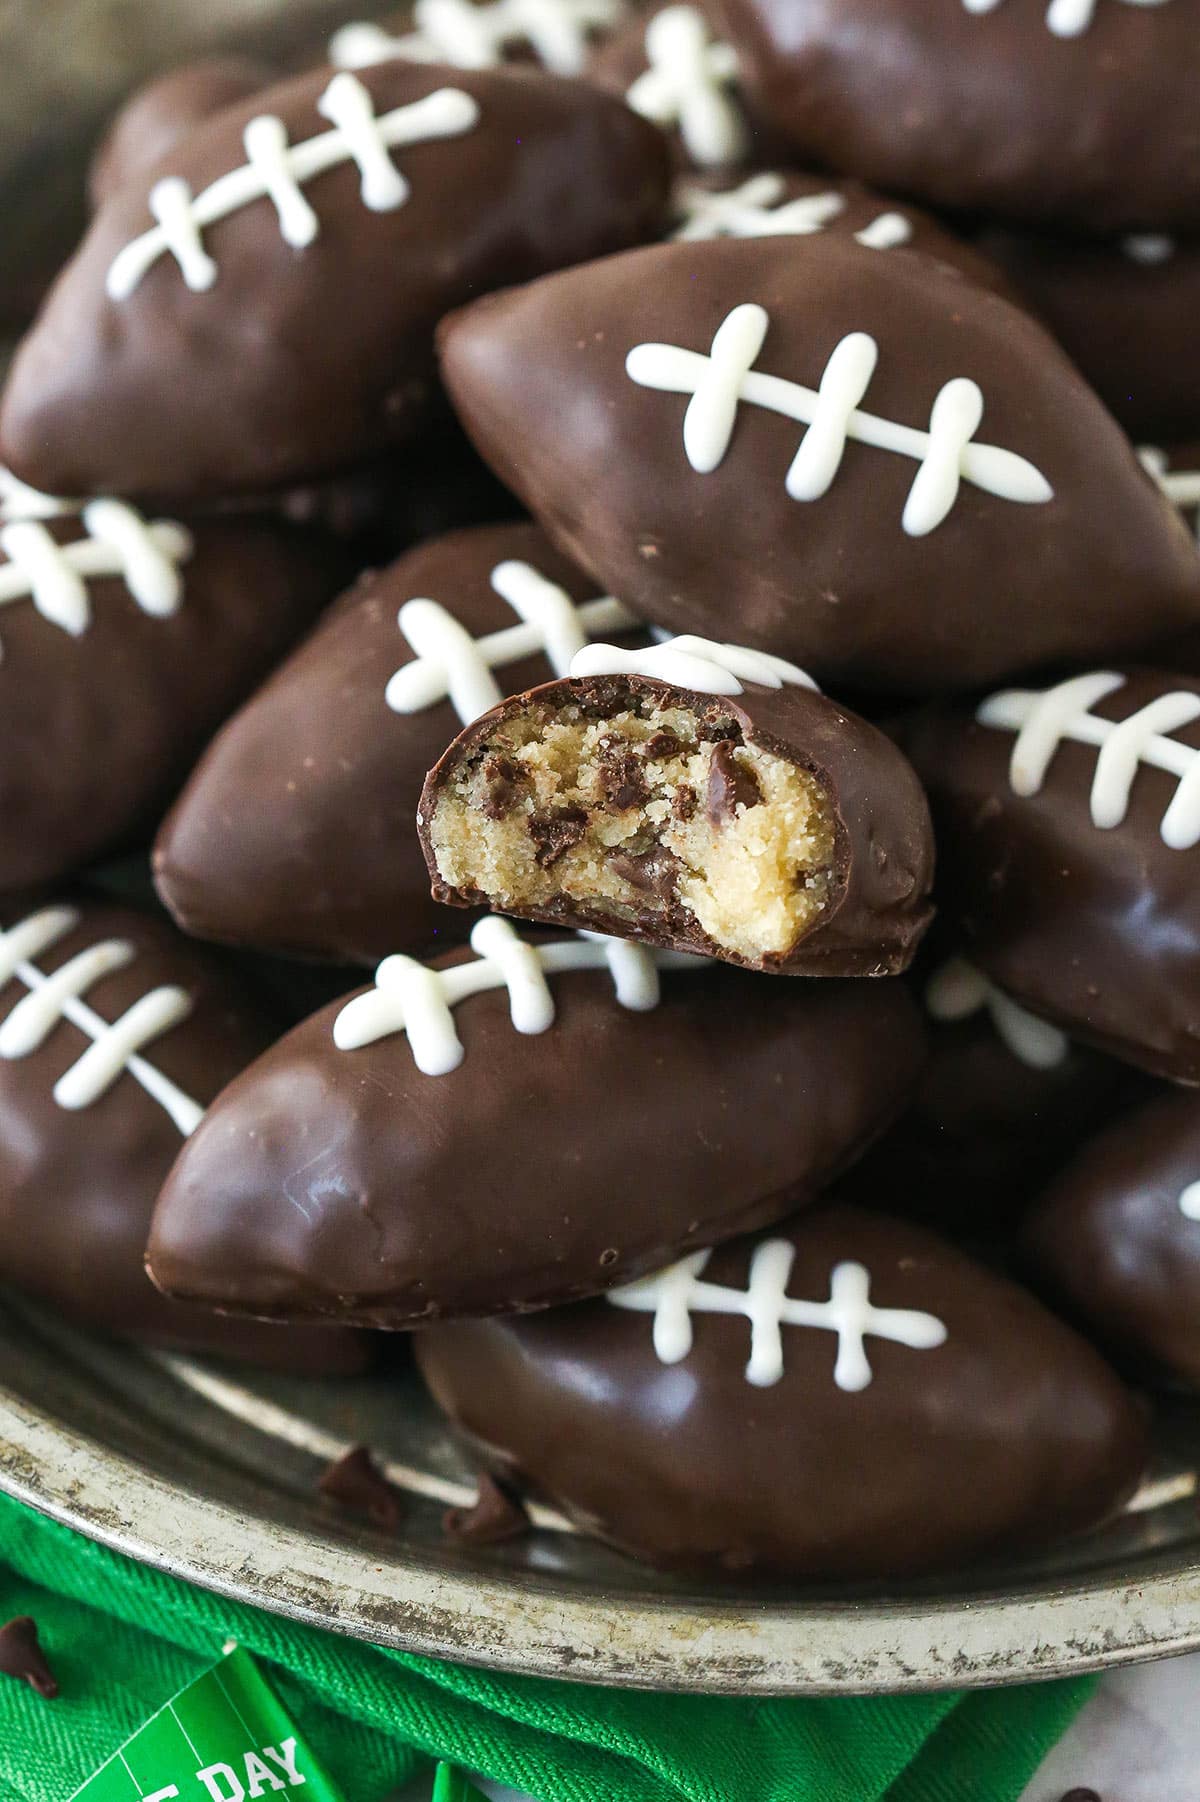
{"type": "Point", "coordinates": [502, 777]}
{"type": "Point", "coordinates": [622, 778]}
{"type": "Point", "coordinates": [494, 1517]}
{"type": "Point", "coordinates": [555, 833]}
{"type": "Point", "coordinates": [657, 871]}
{"type": "Point", "coordinates": [356, 1481]}
{"type": "Point", "coordinates": [730, 785]}
{"type": "Point", "coordinates": [22, 1658]}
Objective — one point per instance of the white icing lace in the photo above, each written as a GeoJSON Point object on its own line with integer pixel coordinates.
{"type": "Point", "coordinates": [756, 209]}
{"type": "Point", "coordinates": [409, 997]}
{"type": "Point", "coordinates": [687, 85]}
{"type": "Point", "coordinates": [958, 991]}
{"type": "Point", "coordinates": [700, 664]}
{"type": "Point", "coordinates": [721, 381]}
{"type": "Point", "coordinates": [277, 171]}
{"type": "Point", "coordinates": [559, 33]}
{"type": "Point", "coordinates": [116, 1045]}
{"type": "Point", "coordinates": [1181, 486]}
{"type": "Point", "coordinates": [674, 1294]}
{"type": "Point", "coordinates": [449, 662]}
{"type": "Point", "coordinates": [1065, 18]}
{"type": "Point", "coordinates": [1043, 719]}
{"type": "Point", "coordinates": [118, 542]}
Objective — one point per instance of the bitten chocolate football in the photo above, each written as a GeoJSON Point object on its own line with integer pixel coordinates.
{"type": "Point", "coordinates": [297, 830]}
{"type": "Point", "coordinates": [861, 463]}
{"type": "Point", "coordinates": [455, 1139]}
{"type": "Point", "coordinates": [257, 307]}
{"type": "Point", "coordinates": [843, 1396]}
{"type": "Point", "coordinates": [1068, 831]}
{"type": "Point", "coordinates": [115, 1034]}
{"type": "Point", "coordinates": [695, 796]}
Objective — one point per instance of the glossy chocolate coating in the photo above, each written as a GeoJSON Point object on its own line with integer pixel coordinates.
{"type": "Point", "coordinates": [878, 904]}
{"type": "Point", "coordinates": [1011, 1431]}
{"type": "Point", "coordinates": [295, 363]}
{"type": "Point", "coordinates": [1098, 930]}
{"type": "Point", "coordinates": [297, 830]}
{"type": "Point", "coordinates": [1112, 1244]}
{"type": "Point", "coordinates": [348, 1184]}
{"type": "Point", "coordinates": [162, 112]}
{"type": "Point", "coordinates": [836, 585]}
{"type": "Point", "coordinates": [98, 730]}
{"type": "Point", "coordinates": [863, 209]}
{"type": "Point", "coordinates": [988, 111]}
{"type": "Point", "coordinates": [77, 1186]}
{"type": "Point", "coordinates": [1128, 322]}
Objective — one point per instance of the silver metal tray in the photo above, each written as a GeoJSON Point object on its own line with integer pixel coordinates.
{"type": "Point", "coordinates": [211, 1474]}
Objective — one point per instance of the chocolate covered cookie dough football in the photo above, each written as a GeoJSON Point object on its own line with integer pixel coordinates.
{"type": "Point", "coordinates": [698, 797]}
{"type": "Point", "coordinates": [844, 1396]}
{"type": "Point", "coordinates": [523, 1126]}
{"type": "Point", "coordinates": [671, 65]}
{"type": "Point", "coordinates": [258, 306]}
{"type": "Point", "coordinates": [1068, 832]}
{"type": "Point", "coordinates": [1077, 112]}
{"type": "Point", "coordinates": [1116, 1240]}
{"type": "Point", "coordinates": [857, 461]}
{"type": "Point", "coordinates": [115, 1034]}
{"type": "Point", "coordinates": [124, 642]}
{"type": "Point", "coordinates": [297, 830]}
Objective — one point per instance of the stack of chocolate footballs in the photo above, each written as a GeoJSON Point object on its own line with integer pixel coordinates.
{"type": "Point", "coordinates": [759, 1221]}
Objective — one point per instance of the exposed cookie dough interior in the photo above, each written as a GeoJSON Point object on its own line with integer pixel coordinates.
{"type": "Point", "coordinates": [652, 811]}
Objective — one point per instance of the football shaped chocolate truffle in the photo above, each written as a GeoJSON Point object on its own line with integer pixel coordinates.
{"type": "Point", "coordinates": [1117, 1238]}
{"type": "Point", "coordinates": [457, 1139]}
{"type": "Point", "coordinates": [258, 306]}
{"type": "Point", "coordinates": [859, 462]}
{"type": "Point", "coordinates": [297, 830]}
{"type": "Point", "coordinates": [1125, 312]}
{"type": "Point", "coordinates": [115, 1034]}
{"type": "Point", "coordinates": [1068, 831]}
{"type": "Point", "coordinates": [124, 643]}
{"type": "Point", "coordinates": [843, 1396]}
{"type": "Point", "coordinates": [1003, 1101]}
{"type": "Point", "coordinates": [160, 114]}
{"type": "Point", "coordinates": [1080, 112]}
{"type": "Point", "coordinates": [696, 796]}
{"type": "Point", "coordinates": [671, 66]}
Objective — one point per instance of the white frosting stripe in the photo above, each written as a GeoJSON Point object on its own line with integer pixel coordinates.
{"type": "Point", "coordinates": [1042, 720]}
{"type": "Point", "coordinates": [277, 171]}
{"type": "Point", "coordinates": [1181, 486]}
{"type": "Point", "coordinates": [409, 997]}
{"type": "Point", "coordinates": [696, 663]}
{"type": "Point", "coordinates": [478, 37]}
{"type": "Point", "coordinates": [958, 991]}
{"type": "Point", "coordinates": [687, 85]}
{"type": "Point", "coordinates": [675, 1294]}
{"type": "Point", "coordinates": [119, 542]}
{"type": "Point", "coordinates": [1189, 1202]}
{"type": "Point", "coordinates": [19, 501]}
{"type": "Point", "coordinates": [116, 1045]}
{"type": "Point", "coordinates": [756, 209]}
{"type": "Point", "coordinates": [721, 381]}
{"type": "Point", "coordinates": [449, 662]}
{"type": "Point", "coordinates": [1065, 18]}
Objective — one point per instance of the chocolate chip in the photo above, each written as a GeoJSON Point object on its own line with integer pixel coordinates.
{"type": "Point", "coordinates": [685, 802]}
{"type": "Point", "coordinates": [494, 1517]}
{"type": "Point", "coordinates": [730, 785]}
{"type": "Point", "coordinates": [356, 1481]}
{"type": "Point", "coordinates": [655, 872]}
{"type": "Point", "coordinates": [664, 744]}
{"type": "Point", "coordinates": [502, 777]}
{"type": "Point", "coordinates": [555, 833]}
{"type": "Point", "coordinates": [21, 1656]}
{"type": "Point", "coordinates": [622, 777]}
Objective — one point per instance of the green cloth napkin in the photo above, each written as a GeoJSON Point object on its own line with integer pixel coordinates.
{"type": "Point", "coordinates": [123, 1638]}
